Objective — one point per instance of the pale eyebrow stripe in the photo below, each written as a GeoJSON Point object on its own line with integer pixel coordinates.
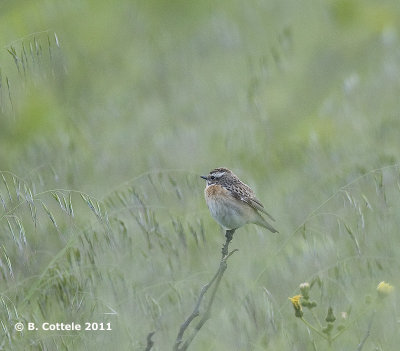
{"type": "Point", "coordinates": [218, 174]}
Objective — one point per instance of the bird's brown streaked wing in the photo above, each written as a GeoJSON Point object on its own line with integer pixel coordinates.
{"type": "Point", "coordinates": [240, 189]}
{"type": "Point", "coordinates": [245, 194]}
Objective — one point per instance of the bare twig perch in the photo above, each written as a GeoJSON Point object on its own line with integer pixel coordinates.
{"type": "Point", "coordinates": [181, 345]}
{"type": "Point", "coordinates": [150, 342]}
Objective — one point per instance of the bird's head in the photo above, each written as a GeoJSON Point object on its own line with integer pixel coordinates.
{"type": "Point", "coordinates": [218, 176]}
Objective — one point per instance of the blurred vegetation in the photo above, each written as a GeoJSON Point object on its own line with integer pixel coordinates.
{"type": "Point", "coordinates": [110, 111]}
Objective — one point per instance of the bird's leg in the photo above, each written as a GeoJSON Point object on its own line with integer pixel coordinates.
{"type": "Point", "coordinates": [229, 237]}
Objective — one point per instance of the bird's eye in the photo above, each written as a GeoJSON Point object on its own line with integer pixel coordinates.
{"type": "Point", "coordinates": [212, 177]}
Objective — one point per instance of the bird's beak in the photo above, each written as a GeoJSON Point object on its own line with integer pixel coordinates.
{"type": "Point", "coordinates": [204, 177]}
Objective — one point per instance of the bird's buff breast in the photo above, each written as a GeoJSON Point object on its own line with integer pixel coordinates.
{"type": "Point", "coordinates": [224, 208]}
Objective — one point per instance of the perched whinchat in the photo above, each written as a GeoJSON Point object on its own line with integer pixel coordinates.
{"type": "Point", "coordinates": [232, 203]}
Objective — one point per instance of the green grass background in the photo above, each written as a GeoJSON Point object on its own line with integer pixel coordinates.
{"type": "Point", "coordinates": [111, 110]}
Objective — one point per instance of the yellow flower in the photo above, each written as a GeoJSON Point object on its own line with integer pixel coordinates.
{"type": "Point", "coordinates": [384, 289]}
{"type": "Point", "coordinates": [295, 300]}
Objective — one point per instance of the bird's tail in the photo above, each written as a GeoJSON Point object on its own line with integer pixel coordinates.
{"type": "Point", "coordinates": [263, 223]}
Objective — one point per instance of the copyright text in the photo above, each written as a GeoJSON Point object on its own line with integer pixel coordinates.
{"type": "Point", "coordinates": [60, 326]}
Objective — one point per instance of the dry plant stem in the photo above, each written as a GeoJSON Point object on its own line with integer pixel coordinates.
{"type": "Point", "coordinates": [196, 311]}
{"type": "Point", "coordinates": [150, 342]}
{"type": "Point", "coordinates": [368, 332]}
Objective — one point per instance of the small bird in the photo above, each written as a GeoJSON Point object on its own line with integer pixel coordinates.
{"type": "Point", "coordinates": [232, 203]}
